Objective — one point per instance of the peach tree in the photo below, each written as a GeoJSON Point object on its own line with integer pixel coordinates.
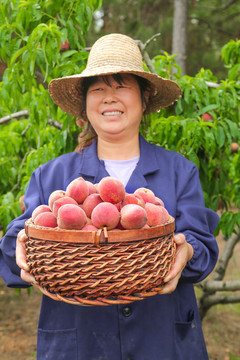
{"type": "Point", "coordinates": [40, 40]}
{"type": "Point", "coordinates": [204, 127]}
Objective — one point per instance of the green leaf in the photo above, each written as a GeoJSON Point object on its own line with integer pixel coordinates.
{"type": "Point", "coordinates": [234, 130]}
{"type": "Point", "coordinates": [207, 109]}
{"type": "Point", "coordinates": [220, 136]}
{"type": "Point", "coordinates": [192, 156]}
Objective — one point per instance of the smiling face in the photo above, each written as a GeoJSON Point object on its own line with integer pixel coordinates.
{"type": "Point", "coordinates": [115, 108]}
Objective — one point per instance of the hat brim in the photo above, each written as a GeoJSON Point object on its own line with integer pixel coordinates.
{"type": "Point", "coordinates": [66, 92]}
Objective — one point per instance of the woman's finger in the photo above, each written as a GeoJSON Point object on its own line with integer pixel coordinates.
{"type": "Point", "coordinates": [21, 251]}
{"type": "Point", "coordinates": [170, 286]}
{"type": "Point", "coordinates": [26, 276]}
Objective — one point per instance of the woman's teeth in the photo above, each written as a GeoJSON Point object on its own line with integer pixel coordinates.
{"type": "Point", "coordinates": [112, 113]}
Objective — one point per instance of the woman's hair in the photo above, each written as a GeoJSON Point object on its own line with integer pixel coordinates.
{"type": "Point", "coordinates": [88, 134]}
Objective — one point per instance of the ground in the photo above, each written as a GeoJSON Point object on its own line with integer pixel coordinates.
{"type": "Point", "coordinates": [19, 317]}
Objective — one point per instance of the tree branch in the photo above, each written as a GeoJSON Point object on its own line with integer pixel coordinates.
{"type": "Point", "coordinates": [153, 38]}
{"type": "Point", "coordinates": [55, 123]}
{"type": "Point", "coordinates": [219, 299]}
{"type": "Point", "coordinates": [16, 115]}
{"type": "Point", "coordinates": [145, 55]}
{"type": "Point", "coordinates": [219, 285]}
{"type": "Point", "coordinates": [209, 298]}
{"type": "Point", "coordinates": [212, 84]}
{"type": "Point", "coordinates": [226, 256]}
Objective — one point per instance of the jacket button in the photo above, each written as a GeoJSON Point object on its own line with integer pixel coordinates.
{"type": "Point", "coordinates": [127, 311]}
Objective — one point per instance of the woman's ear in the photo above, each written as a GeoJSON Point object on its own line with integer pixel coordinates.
{"type": "Point", "coordinates": [145, 99]}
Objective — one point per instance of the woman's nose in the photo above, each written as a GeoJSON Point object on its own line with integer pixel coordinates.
{"type": "Point", "coordinates": [110, 95]}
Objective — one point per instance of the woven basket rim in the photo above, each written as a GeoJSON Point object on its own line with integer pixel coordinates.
{"type": "Point", "coordinates": [82, 236]}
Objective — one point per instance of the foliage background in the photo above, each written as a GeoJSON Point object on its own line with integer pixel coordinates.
{"type": "Point", "coordinates": [211, 24]}
{"type": "Point", "coordinates": [33, 37]}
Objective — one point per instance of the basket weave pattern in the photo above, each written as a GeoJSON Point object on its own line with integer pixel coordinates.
{"type": "Point", "coordinates": [115, 272]}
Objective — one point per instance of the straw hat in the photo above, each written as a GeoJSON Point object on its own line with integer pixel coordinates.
{"type": "Point", "coordinates": [110, 54]}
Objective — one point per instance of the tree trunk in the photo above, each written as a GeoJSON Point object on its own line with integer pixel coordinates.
{"type": "Point", "coordinates": [179, 41]}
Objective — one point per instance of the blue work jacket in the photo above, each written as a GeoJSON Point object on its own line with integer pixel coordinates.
{"type": "Point", "coordinates": [162, 327]}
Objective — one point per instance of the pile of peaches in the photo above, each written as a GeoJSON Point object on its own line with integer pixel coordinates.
{"type": "Point", "coordinates": [89, 207]}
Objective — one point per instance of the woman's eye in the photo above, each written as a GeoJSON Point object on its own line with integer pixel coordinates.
{"type": "Point", "coordinates": [97, 89]}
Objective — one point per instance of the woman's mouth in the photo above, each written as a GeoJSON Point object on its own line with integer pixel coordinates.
{"type": "Point", "coordinates": [112, 113]}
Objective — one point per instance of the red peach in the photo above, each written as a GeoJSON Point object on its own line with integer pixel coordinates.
{"type": "Point", "coordinates": [22, 204]}
{"type": "Point", "coordinates": [133, 216]}
{"type": "Point", "coordinates": [65, 46]}
{"type": "Point", "coordinates": [62, 201]}
{"type": "Point", "coordinates": [146, 226]}
{"type": "Point", "coordinates": [158, 201]}
{"type": "Point", "coordinates": [234, 147]}
{"type": "Point", "coordinates": [78, 190]}
{"type": "Point", "coordinates": [207, 117]}
{"type": "Point", "coordinates": [96, 187]}
{"type": "Point", "coordinates": [105, 214]}
{"type": "Point", "coordinates": [111, 190]}
{"type": "Point", "coordinates": [119, 205]}
{"type": "Point", "coordinates": [157, 215]}
{"type": "Point", "coordinates": [55, 195]}
{"type": "Point", "coordinates": [133, 199]}
{"type": "Point", "coordinates": [71, 216]}
{"type": "Point", "coordinates": [89, 227]}
{"type": "Point", "coordinates": [146, 194]}
{"type": "Point", "coordinates": [47, 219]}
{"type": "Point", "coordinates": [91, 188]}
{"type": "Point", "coordinates": [90, 202]}
{"type": "Point", "coordinates": [40, 209]}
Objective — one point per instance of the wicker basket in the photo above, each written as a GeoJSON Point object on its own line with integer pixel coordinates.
{"type": "Point", "coordinates": [100, 268]}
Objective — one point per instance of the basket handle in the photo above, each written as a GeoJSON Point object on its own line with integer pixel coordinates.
{"type": "Point", "coordinates": [100, 237]}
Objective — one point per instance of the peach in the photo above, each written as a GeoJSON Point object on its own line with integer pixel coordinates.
{"type": "Point", "coordinates": [105, 214]}
{"type": "Point", "coordinates": [133, 199]}
{"type": "Point", "coordinates": [111, 190]}
{"type": "Point", "coordinates": [40, 209]}
{"type": "Point", "coordinates": [22, 204]}
{"type": "Point", "coordinates": [62, 201]}
{"type": "Point", "coordinates": [147, 194]}
{"type": "Point", "coordinates": [234, 147]}
{"type": "Point", "coordinates": [158, 201]}
{"type": "Point", "coordinates": [55, 195]}
{"type": "Point", "coordinates": [91, 188]}
{"type": "Point", "coordinates": [89, 221]}
{"type": "Point", "coordinates": [96, 187]}
{"type": "Point", "coordinates": [47, 219]}
{"type": "Point", "coordinates": [133, 216]}
{"type": "Point", "coordinates": [89, 227]}
{"type": "Point", "coordinates": [157, 215]}
{"type": "Point", "coordinates": [119, 205]}
{"type": "Point", "coordinates": [78, 190]}
{"type": "Point", "coordinates": [207, 117]}
{"type": "Point", "coordinates": [90, 202]}
{"type": "Point", "coordinates": [71, 216]}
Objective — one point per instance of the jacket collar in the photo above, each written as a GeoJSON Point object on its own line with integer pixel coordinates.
{"type": "Point", "coordinates": [94, 168]}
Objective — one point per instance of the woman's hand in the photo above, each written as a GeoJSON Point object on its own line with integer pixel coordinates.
{"type": "Point", "coordinates": [184, 253]}
{"type": "Point", "coordinates": [21, 257]}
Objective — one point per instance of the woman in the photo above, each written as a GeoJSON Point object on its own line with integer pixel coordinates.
{"type": "Point", "coordinates": [110, 97]}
